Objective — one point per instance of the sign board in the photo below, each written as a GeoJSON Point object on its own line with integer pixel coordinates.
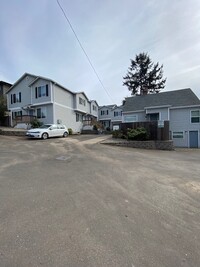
{"type": "Point", "coordinates": [160, 124]}
{"type": "Point", "coordinates": [115, 127]}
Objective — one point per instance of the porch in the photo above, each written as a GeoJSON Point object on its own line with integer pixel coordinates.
{"type": "Point", "coordinates": [23, 119]}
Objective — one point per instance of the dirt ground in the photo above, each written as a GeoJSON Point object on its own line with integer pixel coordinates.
{"type": "Point", "coordinates": [75, 202]}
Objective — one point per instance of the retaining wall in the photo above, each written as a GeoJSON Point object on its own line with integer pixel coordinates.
{"type": "Point", "coordinates": [12, 133]}
{"type": "Point", "coordinates": [161, 145]}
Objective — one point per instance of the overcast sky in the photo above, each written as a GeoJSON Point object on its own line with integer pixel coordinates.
{"type": "Point", "coordinates": [36, 38]}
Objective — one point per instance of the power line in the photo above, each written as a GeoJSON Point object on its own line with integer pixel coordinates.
{"type": "Point", "coordinates": [92, 66]}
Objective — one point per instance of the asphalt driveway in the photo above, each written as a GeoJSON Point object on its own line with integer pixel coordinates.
{"type": "Point", "coordinates": [75, 202]}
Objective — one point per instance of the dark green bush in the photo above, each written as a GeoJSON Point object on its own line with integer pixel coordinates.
{"type": "Point", "coordinates": [36, 123]}
{"type": "Point", "coordinates": [70, 131]}
{"type": "Point", "coordinates": [95, 127]}
{"type": "Point", "coordinates": [139, 134]}
{"type": "Point", "coordinates": [117, 134]}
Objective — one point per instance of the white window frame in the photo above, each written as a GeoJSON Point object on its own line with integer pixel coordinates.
{"type": "Point", "coordinates": [42, 90]}
{"type": "Point", "coordinates": [195, 110]}
{"type": "Point", "coordinates": [16, 98]}
{"type": "Point", "coordinates": [178, 135]}
{"type": "Point", "coordinates": [82, 101]}
{"type": "Point", "coordinates": [130, 116]}
{"type": "Point", "coordinates": [43, 112]}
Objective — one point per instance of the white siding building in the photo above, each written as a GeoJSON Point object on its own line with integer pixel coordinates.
{"type": "Point", "coordinates": [38, 97]}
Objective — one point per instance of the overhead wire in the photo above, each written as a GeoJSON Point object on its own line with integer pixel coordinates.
{"type": "Point", "coordinates": [84, 51]}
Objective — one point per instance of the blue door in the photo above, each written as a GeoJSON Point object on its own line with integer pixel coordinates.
{"type": "Point", "coordinates": [193, 136]}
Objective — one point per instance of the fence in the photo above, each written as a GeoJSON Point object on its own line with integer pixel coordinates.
{"type": "Point", "coordinates": [155, 132]}
{"type": "Point", "coordinates": [23, 119]}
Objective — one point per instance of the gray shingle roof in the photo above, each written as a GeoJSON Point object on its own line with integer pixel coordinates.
{"type": "Point", "coordinates": [177, 98]}
{"type": "Point", "coordinates": [108, 106]}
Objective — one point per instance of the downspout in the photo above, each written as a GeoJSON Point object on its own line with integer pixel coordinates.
{"type": "Point", "coordinates": [31, 95]}
{"type": "Point", "coordinates": [11, 119]}
{"type": "Point", "coordinates": [52, 98]}
{"type": "Point", "coordinates": [168, 114]}
{"type": "Point", "coordinates": [10, 111]}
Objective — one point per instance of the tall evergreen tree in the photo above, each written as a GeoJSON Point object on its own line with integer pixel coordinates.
{"type": "Point", "coordinates": [144, 76]}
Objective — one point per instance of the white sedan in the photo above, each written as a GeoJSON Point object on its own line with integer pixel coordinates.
{"type": "Point", "coordinates": [48, 130]}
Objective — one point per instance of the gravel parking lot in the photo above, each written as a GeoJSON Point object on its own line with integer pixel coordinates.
{"type": "Point", "coordinates": [75, 202]}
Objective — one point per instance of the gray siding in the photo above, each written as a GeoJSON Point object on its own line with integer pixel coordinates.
{"type": "Point", "coordinates": [84, 108]}
{"type": "Point", "coordinates": [116, 118]}
{"type": "Point", "coordinates": [49, 113]}
{"type": "Point", "coordinates": [180, 121]}
{"type": "Point", "coordinates": [23, 87]}
{"type": "Point", "coordinates": [43, 99]}
{"type": "Point", "coordinates": [105, 116]}
{"type": "Point", "coordinates": [140, 115]}
{"type": "Point", "coordinates": [62, 97]}
{"type": "Point", "coordinates": [163, 113]}
{"type": "Point", "coordinates": [92, 111]}
{"type": "Point", "coordinates": [64, 108]}
{"type": "Point", "coordinates": [67, 116]}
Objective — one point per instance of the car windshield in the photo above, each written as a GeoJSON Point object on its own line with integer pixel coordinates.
{"type": "Point", "coordinates": [45, 126]}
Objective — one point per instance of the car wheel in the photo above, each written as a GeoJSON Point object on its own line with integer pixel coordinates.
{"type": "Point", "coordinates": [65, 134]}
{"type": "Point", "coordinates": [45, 136]}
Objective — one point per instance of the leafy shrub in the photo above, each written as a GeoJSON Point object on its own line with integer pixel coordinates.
{"type": "Point", "coordinates": [95, 127]}
{"type": "Point", "coordinates": [36, 123]}
{"type": "Point", "coordinates": [117, 134]}
{"type": "Point", "coordinates": [139, 134]}
{"type": "Point", "coordinates": [70, 131]}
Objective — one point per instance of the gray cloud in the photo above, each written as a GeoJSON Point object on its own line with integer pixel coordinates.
{"type": "Point", "coordinates": [40, 41]}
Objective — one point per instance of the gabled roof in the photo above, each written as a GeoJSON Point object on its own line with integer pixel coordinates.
{"type": "Point", "coordinates": [21, 78]}
{"type": "Point", "coordinates": [176, 98]}
{"type": "Point", "coordinates": [108, 106]}
{"type": "Point", "coordinates": [120, 107]}
{"type": "Point", "coordinates": [37, 77]}
{"type": "Point", "coordinates": [5, 83]}
{"type": "Point", "coordinates": [82, 94]}
{"type": "Point", "coordinates": [45, 78]}
{"type": "Point", "coordinates": [95, 102]}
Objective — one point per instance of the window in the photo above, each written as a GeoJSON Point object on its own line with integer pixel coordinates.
{"type": "Point", "coordinates": [16, 98]}
{"type": "Point", "coordinates": [153, 116]}
{"type": "Point", "coordinates": [195, 116]}
{"type": "Point", "coordinates": [17, 114]}
{"type": "Point", "coordinates": [79, 117]}
{"type": "Point", "coordinates": [104, 112]}
{"type": "Point", "coordinates": [94, 107]}
{"type": "Point", "coordinates": [41, 91]}
{"type": "Point", "coordinates": [60, 126]}
{"type": "Point", "coordinates": [130, 118]}
{"type": "Point", "coordinates": [117, 113]}
{"type": "Point", "coordinates": [177, 135]}
{"type": "Point", "coordinates": [41, 113]}
{"type": "Point", "coordinates": [82, 101]}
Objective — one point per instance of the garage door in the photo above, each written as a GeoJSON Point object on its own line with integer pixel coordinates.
{"type": "Point", "coordinates": [193, 136]}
